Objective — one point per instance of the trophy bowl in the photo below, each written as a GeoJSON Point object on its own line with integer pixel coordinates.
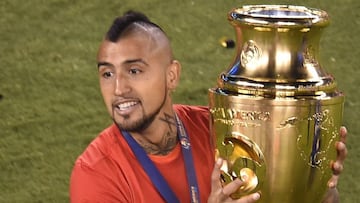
{"type": "Point", "coordinates": [276, 112]}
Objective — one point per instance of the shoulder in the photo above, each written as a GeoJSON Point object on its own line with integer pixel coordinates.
{"type": "Point", "coordinates": [190, 111]}
{"type": "Point", "coordinates": [94, 171]}
{"type": "Point", "coordinates": [100, 148]}
{"type": "Point", "coordinates": [197, 125]}
{"type": "Point", "coordinates": [195, 118]}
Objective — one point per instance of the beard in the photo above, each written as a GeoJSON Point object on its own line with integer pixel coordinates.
{"type": "Point", "coordinates": [143, 122]}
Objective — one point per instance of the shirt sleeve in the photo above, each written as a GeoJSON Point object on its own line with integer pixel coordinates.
{"type": "Point", "coordinates": [90, 186]}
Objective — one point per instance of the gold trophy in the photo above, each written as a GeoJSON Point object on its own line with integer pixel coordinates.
{"type": "Point", "coordinates": [276, 113]}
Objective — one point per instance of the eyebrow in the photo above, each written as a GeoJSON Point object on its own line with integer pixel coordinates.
{"type": "Point", "coordinates": [139, 60]}
{"type": "Point", "coordinates": [103, 64]}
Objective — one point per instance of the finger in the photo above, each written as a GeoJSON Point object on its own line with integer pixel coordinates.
{"type": "Point", "coordinates": [341, 150]}
{"type": "Point", "coordinates": [332, 183]}
{"type": "Point", "coordinates": [343, 133]}
{"type": "Point", "coordinates": [232, 187]}
{"type": "Point", "coordinates": [337, 166]}
{"type": "Point", "coordinates": [249, 198]}
{"type": "Point", "coordinates": [215, 176]}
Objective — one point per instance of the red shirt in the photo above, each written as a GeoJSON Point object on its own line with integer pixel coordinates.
{"type": "Point", "coordinates": [108, 171]}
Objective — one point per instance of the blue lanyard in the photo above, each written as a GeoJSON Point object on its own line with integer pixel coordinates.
{"type": "Point", "coordinates": [154, 174]}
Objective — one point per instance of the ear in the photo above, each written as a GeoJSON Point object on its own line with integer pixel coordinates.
{"type": "Point", "coordinates": [173, 74]}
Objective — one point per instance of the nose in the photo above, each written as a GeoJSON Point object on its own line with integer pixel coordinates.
{"type": "Point", "coordinates": [122, 85]}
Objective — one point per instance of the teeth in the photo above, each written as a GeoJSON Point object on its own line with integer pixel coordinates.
{"type": "Point", "coordinates": [126, 105]}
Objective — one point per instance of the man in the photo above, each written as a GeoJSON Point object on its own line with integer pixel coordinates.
{"type": "Point", "coordinates": [155, 151]}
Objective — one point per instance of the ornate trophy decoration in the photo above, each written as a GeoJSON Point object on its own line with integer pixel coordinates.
{"type": "Point", "coordinates": [276, 113]}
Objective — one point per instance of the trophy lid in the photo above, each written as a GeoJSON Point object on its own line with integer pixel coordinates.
{"type": "Point", "coordinates": [278, 15]}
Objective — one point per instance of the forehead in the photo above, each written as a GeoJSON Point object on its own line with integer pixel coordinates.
{"type": "Point", "coordinates": [127, 44]}
{"type": "Point", "coordinates": [136, 45]}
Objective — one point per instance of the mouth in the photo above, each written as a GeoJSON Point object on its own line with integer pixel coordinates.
{"type": "Point", "coordinates": [125, 107]}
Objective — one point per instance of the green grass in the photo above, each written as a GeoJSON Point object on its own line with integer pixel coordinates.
{"type": "Point", "coordinates": [52, 108]}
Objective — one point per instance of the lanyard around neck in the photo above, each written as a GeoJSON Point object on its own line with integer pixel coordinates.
{"type": "Point", "coordinates": [154, 174]}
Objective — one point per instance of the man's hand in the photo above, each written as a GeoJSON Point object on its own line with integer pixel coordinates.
{"type": "Point", "coordinates": [332, 195]}
{"type": "Point", "coordinates": [222, 194]}
{"type": "Point", "coordinates": [338, 165]}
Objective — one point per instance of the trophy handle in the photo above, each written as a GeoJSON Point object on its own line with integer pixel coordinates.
{"type": "Point", "coordinates": [242, 159]}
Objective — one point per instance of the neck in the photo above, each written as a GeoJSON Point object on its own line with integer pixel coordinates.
{"type": "Point", "coordinates": [161, 137]}
{"type": "Point", "coordinates": [163, 146]}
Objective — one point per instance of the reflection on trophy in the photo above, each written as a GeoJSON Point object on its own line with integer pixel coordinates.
{"type": "Point", "coordinates": [276, 113]}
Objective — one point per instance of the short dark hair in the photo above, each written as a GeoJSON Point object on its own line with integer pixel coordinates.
{"type": "Point", "coordinates": [122, 23]}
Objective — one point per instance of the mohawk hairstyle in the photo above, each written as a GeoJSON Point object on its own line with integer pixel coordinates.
{"type": "Point", "coordinates": [121, 24]}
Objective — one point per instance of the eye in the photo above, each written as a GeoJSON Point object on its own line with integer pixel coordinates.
{"type": "Point", "coordinates": [107, 74]}
{"type": "Point", "coordinates": [134, 71]}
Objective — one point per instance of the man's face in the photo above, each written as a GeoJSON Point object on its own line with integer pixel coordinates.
{"type": "Point", "coordinates": [134, 80]}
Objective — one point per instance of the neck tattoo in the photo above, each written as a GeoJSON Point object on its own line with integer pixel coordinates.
{"type": "Point", "coordinates": [167, 142]}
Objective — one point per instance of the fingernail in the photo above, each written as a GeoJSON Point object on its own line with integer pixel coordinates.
{"type": "Point", "coordinates": [256, 196]}
{"type": "Point", "coordinates": [219, 161]}
{"type": "Point", "coordinates": [244, 177]}
{"type": "Point", "coordinates": [343, 131]}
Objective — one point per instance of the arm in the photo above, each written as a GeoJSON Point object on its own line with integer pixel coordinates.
{"type": "Point", "coordinates": [222, 194]}
{"type": "Point", "coordinates": [332, 195]}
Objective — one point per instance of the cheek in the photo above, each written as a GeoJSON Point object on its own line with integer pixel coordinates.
{"type": "Point", "coordinates": [106, 92]}
{"type": "Point", "coordinates": [155, 91]}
